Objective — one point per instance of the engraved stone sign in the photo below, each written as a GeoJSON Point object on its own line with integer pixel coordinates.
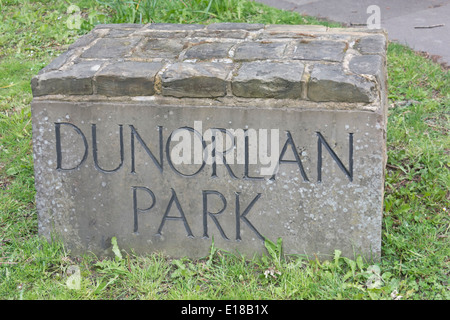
{"type": "Point", "coordinates": [169, 136]}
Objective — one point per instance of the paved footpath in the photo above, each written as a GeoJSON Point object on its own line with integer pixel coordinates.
{"type": "Point", "coordinates": [423, 25]}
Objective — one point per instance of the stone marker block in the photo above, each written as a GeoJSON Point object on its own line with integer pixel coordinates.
{"type": "Point", "coordinates": [168, 136]}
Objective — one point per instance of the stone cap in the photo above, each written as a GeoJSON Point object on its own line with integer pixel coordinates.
{"type": "Point", "coordinates": [233, 60]}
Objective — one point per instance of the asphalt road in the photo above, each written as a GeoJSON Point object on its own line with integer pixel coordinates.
{"type": "Point", "coordinates": [423, 25]}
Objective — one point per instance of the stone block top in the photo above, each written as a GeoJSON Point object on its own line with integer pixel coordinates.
{"type": "Point", "coordinates": [233, 61]}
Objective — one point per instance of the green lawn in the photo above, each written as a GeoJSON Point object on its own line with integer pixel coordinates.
{"type": "Point", "coordinates": [415, 248]}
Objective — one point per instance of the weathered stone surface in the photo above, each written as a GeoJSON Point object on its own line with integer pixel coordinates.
{"type": "Point", "coordinates": [372, 44]}
{"type": "Point", "coordinates": [367, 64]}
{"type": "Point", "coordinates": [85, 40]}
{"type": "Point", "coordinates": [121, 33]}
{"type": "Point", "coordinates": [172, 44]}
{"type": "Point", "coordinates": [58, 62]}
{"type": "Point", "coordinates": [330, 83]}
{"type": "Point", "coordinates": [268, 80]}
{"type": "Point", "coordinates": [320, 50]}
{"type": "Point", "coordinates": [159, 48]}
{"type": "Point", "coordinates": [209, 50]}
{"type": "Point", "coordinates": [127, 78]}
{"type": "Point", "coordinates": [224, 33]}
{"type": "Point", "coordinates": [106, 48]}
{"type": "Point", "coordinates": [290, 30]}
{"type": "Point", "coordinates": [235, 26]}
{"type": "Point", "coordinates": [127, 122]}
{"type": "Point", "coordinates": [259, 51]}
{"type": "Point", "coordinates": [75, 80]}
{"type": "Point", "coordinates": [195, 80]}
{"type": "Point", "coordinates": [312, 213]}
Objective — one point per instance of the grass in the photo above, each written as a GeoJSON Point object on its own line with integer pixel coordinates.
{"type": "Point", "coordinates": [415, 245]}
{"type": "Point", "coordinates": [200, 11]}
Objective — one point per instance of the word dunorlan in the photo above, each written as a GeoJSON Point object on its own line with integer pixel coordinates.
{"type": "Point", "coordinates": [243, 147]}
{"type": "Point", "coordinates": [208, 146]}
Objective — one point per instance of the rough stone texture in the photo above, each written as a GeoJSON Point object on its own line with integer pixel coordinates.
{"type": "Point", "coordinates": [330, 83]}
{"type": "Point", "coordinates": [235, 26]}
{"type": "Point", "coordinates": [75, 80]}
{"type": "Point", "coordinates": [159, 48]}
{"type": "Point", "coordinates": [320, 50]}
{"type": "Point", "coordinates": [127, 78]}
{"type": "Point", "coordinates": [268, 80]}
{"type": "Point", "coordinates": [259, 51]}
{"type": "Point", "coordinates": [367, 64]}
{"type": "Point", "coordinates": [208, 51]}
{"type": "Point", "coordinates": [106, 48]}
{"type": "Point", "coordinates": [112, 116]}
{"type": "Point", "coordinates": [185, 79]}
{"type": "Point", "coordinates": [372, 44]}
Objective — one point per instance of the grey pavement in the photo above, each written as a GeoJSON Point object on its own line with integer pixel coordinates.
{"type": "Point", "coordinates": [423, 25]}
